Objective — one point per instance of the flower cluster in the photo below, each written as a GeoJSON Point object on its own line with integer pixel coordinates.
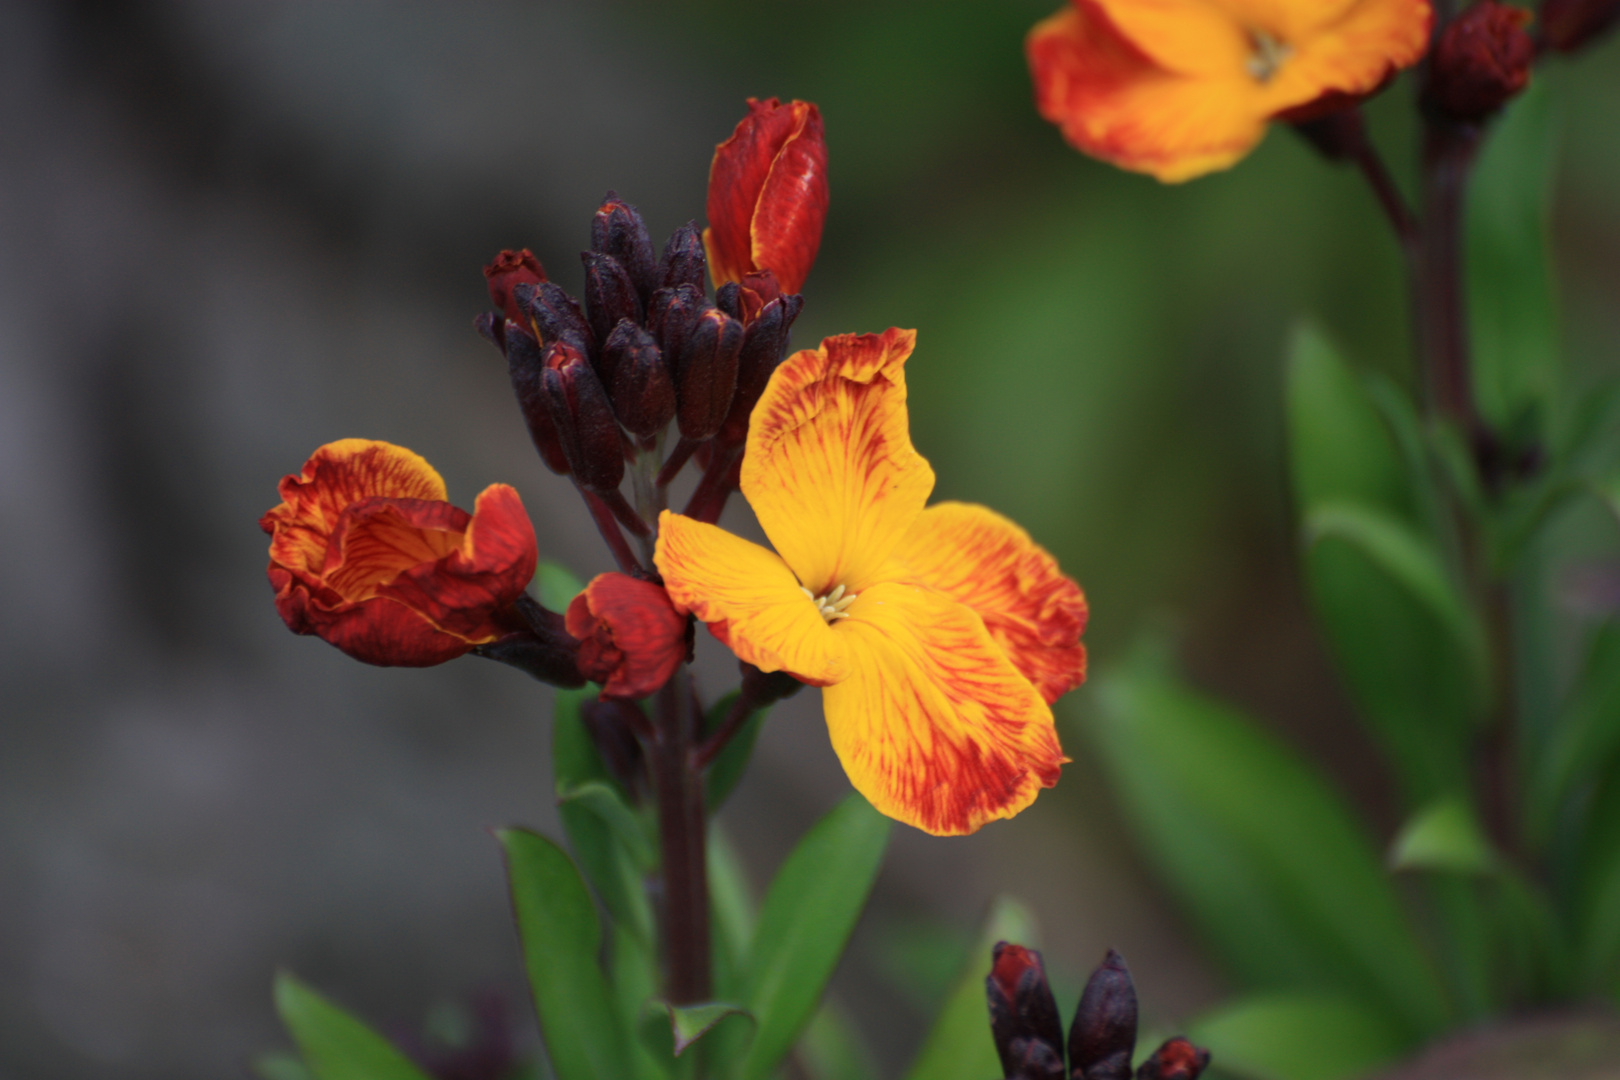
{"type": "Point", "coordinates": [941, 634]}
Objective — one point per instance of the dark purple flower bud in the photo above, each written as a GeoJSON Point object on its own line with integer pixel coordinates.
{"type": "Point", "coordinates": [555, 315]}
{"type": "Point", "coordinates": [491, 326]}
{"type": "Point", "coordinates": [1177, 1059]}
{"type": "Point", "coordinates": [1103, 1035]}
{"type": "Point", "coordinates": [671, 314]}
{"type": "Point", "coordinates": [1023, 1016]}
{"type": "Point", "coordinates": [618, 230]}
{"type": "Point", "coordinates": [509, 270]}
{"type": "Point", "coordinates": [728, 298]}
{"type": "Point", "coordinates": [609, 293]}
{"type": "Point", "coordinates": [526, 366]}
{"type": "Point", "coordinates": [764, 344]}
{"type": "Point", "coordinates": [638, 380]}
{"type": "Point", "coordinates": [683, 262]}
{"type": "Point", "coordinates": [1480, 62]}
{"type": "Point", "coordinates": [588, 430]}
{"type": "Point", "coordinates": [1337, 136]}
{"type": "Point", "coordinates": [612, 724]}
{"type": "Point", "coordinates": [706, 374]}
{"type": "Point", "coordinates": [1566, 25]}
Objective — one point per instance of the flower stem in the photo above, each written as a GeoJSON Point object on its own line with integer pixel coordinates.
{"type": "Point", "coordinates": [1441, 313]}
{"type": "Point", "coordinates": [608, 526]}
{"type": "Point", "coordinates": [681, 838]}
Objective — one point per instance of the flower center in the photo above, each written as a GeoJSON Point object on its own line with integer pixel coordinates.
{"type": "Point", "coordinates": [833, 606]}
{"type": "Point", "coordinates": [1269, 55]}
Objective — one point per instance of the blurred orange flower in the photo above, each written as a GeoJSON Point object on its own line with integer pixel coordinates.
{"type": "Point", "coordinates": [1179, 88]}
{"type": "Point", "coordinates": [941, 635]}
{"type": "Point", "coordinates": [768, 195]}
{"type": "Point", "coordinates": [366, 554]}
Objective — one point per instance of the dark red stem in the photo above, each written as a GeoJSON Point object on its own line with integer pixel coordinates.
{"type": "Point", "coordinates": [677, 458]}
{"type": "Point", "coordinates": [1441, 311]}
{"type": "Point", "coordinates": [683, 862]}
{"type": "Point", "coordinates": [608, 526]}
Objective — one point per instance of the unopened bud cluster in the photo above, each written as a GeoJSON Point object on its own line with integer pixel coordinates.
{"type": "Point", "coordinates": [1102, 1037]}
{"type": "Point", "coordinates": [600, 381]}
{"type": "Point", "coordinates": [1481, 61]}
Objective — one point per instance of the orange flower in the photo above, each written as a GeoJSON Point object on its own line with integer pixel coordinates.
{"type": "Point", "coordinates": [768, 195]}
{"type": "Point", "coordinates": [365, 553]}
{"type": "Point", "coordinates": [631, 637]}
{"type": "Point", "coordinates": [1179, 88]}
{"type": "Point", "coordinates": [941, 636]}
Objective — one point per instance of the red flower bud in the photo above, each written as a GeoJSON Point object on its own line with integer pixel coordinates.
{"type": "Point", "coordinates": [555, 315]}
{"type": "Point", "coordinates": [631, 637]}
{"type": "Point", "coordinates": [618, 230]}
{"type": "Point", "coordinates": [1177, 1059]}
{"type": "Point", "coordinates": [586, 426]}
{"type": "Point", "coordinates": [706, 374]}
{"type": "Point", "coordinates": [1023, 1015]}
{"type": "Point", "coordinates": [509, 270]}
{"type": "Point", "coordinates": [764, 344]}
{"type": "Point", "coordinates": [1103, 1035]}
{"type": "Point", "coordinates": [526, 366]}
{"type": "Point", "coordinates": [610, 295]}
{"type": "Point", "coordinates": [638, 380]}
{"type": "Point", "coordinates": [768, 194]}
{"type": "Point", "coordinates": [683, 262]}
{"type": "Point", "coordinates": [1481, 61]}
{"type": "Point", "coordinates": [1566, 25]}
{"type": "Point", "coordinates": [366, 554]}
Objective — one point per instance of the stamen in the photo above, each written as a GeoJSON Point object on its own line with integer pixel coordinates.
{"type": "Point", "coordinates": [834, 605]}
{"type": "Point", "coordinates": [1268, 56]}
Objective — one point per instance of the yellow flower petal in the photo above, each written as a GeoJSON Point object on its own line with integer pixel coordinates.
{"type": "Point", "coordinates": [934, 725]}
{"type": "Point", "coordinates": [829, 467]}
{"type": "Point", "coordinates": [979, 558]}
{"type": "Point", "coordinates": [1185, 37]}
{"type": "Point", "coordinates": [749, 598]}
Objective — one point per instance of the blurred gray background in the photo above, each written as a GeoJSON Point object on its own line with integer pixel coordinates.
{"type": "Point", "coordinates": [231, 231]}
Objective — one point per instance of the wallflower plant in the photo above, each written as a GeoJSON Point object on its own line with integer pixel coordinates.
{"type": "Point", "coordinates": [939, 635]}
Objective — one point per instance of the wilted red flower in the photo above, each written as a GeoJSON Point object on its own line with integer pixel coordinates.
{"type": "Point", "coordinates": [768, 195]}
{"type": "Point", "coordinates": [631, 637]}
{"type": "Point", "coordinates": [509, 270]}
{"type": "Point", "coordinates": [366, 554]}
{"type": "Point", "coordinates": [1481, 61]}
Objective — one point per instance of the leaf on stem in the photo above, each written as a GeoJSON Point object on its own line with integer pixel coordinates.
{"type": "Point", "coordinates": [806, 920]}
{"type": "Point", "coordinates": [1297, 1037]}
{"type": "Point", "coordinates": [335, 1045]}
{"type": "Point", "coordinates": [1446, 836]}
{"type": "Point", "coordinates": [561, 939]}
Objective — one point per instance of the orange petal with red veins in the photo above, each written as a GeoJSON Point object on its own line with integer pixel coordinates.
{"type": "Point", "coordinates": [829, 467]}
{"type": "Point", "coordinates": [979, 558]}
{"type": "Point", "coordinates": [631, 637]}
{"type": "Point", "coordinates": [335, 477]}
{"type": "Point", "coordinates": [934, 725]}
{"type": "Point", "coordinates": [749, 599]}
{"type": "Point", "coordinates": [768, 195]}
{"type": "Point", "coordinates": [1113, 102]}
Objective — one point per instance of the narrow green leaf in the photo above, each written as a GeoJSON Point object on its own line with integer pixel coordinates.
{"type": "Point", "coordinates": [1297, 1037]}
{"type": "Point", "coordinates": [1445, 835]}
{"type": "Point", "coordinates": [556, 585]}
{"type": "Point", "coordinates": [561, 941]}
{"type": "Point", "coordinates": [727, 768]}
{"type": "Point", "coordinates": [807, 918]}
{"type": "Point", "coordinates": [604, 801]}
{"type": "Point", "coordinates": [1511, 295]}
{"type": "Point", "coordinates": [1267, 858]}
{"type": "Point", "coordinates": [335, 1045]}
{"type": "Point", "coordinates": [959, 1046]}
{"type": "Point", "coordinates": [689, 1023]}
{"type": "Point", "coordinates": [1409, 559]}
{"type": "Point", "coordinates": [633, 973]}
{"type": "Point", "coordinates": [1585, 739]}
{"type": "Point", "coordinates": [832, 1049]}
{"type": "Point", "coordinates": [1597, 892]}
{"type": "Point", "coordinates": [732, 904]}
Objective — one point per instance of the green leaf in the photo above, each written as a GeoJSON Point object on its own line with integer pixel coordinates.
{"type": "Point", "coordinates": [832, 1049]}
{"type": "Point", "coordinates": [633, 972]}
{"type": "Point", "coordinates": [335, 1045]}
{"type": "Point", "coordinates": [1511, 296]}
{"type": "Point", "coordinates": [1297, 1037]}
{"type": "Point", "coordinates": [959, 1046]}
{"type": "Point", "coordinates": [556, 585]}
{"type": "Point", "coordinates": [1446, 836]}
{"type": "Point", "coordinates": [732, 905]}
{"type": "Point", "coordinates": [1597, 892]}
{"type": "Point", "coordinates": [689, 1023]}
{"type": "Point", "coordinates": [1585, 739]}
{"type": "Point", "coordinates": [597, 832]}
{"type": "Point", "coordinates": [806, 920]}
{"type": "Point", "coordinates": [728, 766]}
{"type": "Point", "coordinates": [1410, 560]}
{"type": "Point", "coordinates": [1273, 866]}
{"type": "Point", "coordinates": [561, 940]}
{"type": "Point", "coordinates": [603, 800]}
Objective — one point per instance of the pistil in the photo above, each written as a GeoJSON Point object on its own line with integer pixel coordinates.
{"type": "Point", "coordinates": [1268, 56]}
{"type": "Point", "coordinates": [834, 605]}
